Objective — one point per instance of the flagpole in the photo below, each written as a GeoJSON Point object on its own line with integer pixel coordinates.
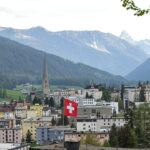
{"type": "Point", "coordinates": [63, 113]}
{"type": "Point", "coordinates": [63, 121]}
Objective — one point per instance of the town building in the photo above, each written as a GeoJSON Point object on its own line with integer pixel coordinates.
{"type": "Point", "coordinates": [32, 124]}
{"type": "Point", "coordinates": [38, 108]}
{"type": "Point", "coordinates": [14, 146]}
{"type": "Point", "coordinates": [83, 101]}
{"type": "Point", "coordinates": [21, 110]}
{"type": "Point", "coordinates": [113, 105]}
{"type": "Point", "coordinates": [10, 135]}
{"type": "Point", "coordinates": [46, 111]}
{"type": "Point", "coordinates": [59, 93]}
{"type": "Point", "coordinates": [100, 137]}
{"type": "Point", "coordinates": [94, 111]}
{"type": "Point", "coordinates": [47, 135]}
{"type": "Point", "coordinates": [132, 94]}
{"type": "Point", "coordinates": [9, 115]}
{"type": "Point", "coordinates": [99, 125]}
{"type": "Point", "coordinates": [31, 113]}
{"type": "Point", "coordinates": [94, 93]}
{"type": "Point", "coordinates": [86, 125]}
{"type": "Point", "coordinates": [105, 124]}
{"type": "Point", "coordinates": [7, 123]}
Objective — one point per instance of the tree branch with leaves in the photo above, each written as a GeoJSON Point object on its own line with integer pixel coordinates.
{"type": "Point", "coordinates": [130, 5]}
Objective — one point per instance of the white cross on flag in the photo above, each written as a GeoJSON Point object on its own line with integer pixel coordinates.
{"type": "Point", "coordinates": [70, 108]}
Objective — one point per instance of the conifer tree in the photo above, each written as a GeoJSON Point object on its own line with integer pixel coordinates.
{"type": "Point", "coordinates": [51, 102]}
{"type": "Point", "coordinates": [28, 137]}
{"type": "Point", "coordinates": [53, 121]}
{"type": "Point", "coordinates": [142, 97]}
{"type": "Point", "coordinates": [62, 102]}
{"type": "Point", "coordinates": [113, 139]}
{"type": "Point", "coordinates": [46, 101]}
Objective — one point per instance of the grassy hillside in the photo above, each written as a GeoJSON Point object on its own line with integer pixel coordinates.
{"type": "Point", "coordinates": [12, 95]}
{"type": "Point", "coordinates": [15, 94]}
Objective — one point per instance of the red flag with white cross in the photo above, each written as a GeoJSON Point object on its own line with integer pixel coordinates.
{"type": "Point", "coordinates": [70, 108]}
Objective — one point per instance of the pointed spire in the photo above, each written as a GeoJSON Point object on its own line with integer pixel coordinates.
{"type": "Point", "coordinates": [45, 84]}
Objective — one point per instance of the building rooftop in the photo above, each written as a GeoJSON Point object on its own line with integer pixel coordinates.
{"type": "Point", "coordinates": [59, 128]}
{"type": "Point", "coordinates": [50, 147]}
{"type": "Point", "coordinates": [11, 146]}
{"type": "Point", "coordinates": [38, 119]}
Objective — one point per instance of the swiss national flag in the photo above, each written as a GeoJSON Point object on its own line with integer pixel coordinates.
{"type": "Point", "coordinates": [70, 108]}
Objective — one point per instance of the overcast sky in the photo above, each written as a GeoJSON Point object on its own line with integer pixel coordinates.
{"type": "Point", "coordinates": [56, 15]}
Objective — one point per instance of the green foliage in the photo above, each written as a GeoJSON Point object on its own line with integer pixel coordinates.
{"type": "Point", "coordinates": [120, 104]}
{"type": "Point", "coordinates": [106, 144]}
{"type": "Point", "coordinates": [130, 117]}
{"type": "Point", "coordinates": [62, 102]}
{"type": "Point", "coordinates": [106, 95]}
{"type": "Point", "coordinates": [127, 137]}
{"type": "Point", "coordinates": [136, 133]}
{"type": "Point", "coordinates": [66, 120]}
{"type": "Point", "coordinates": [1, 126]}
{"type": "Point", "coordinates": [91, 139]}
{"type": "Point", "coordinates": [36, 101]}
{"type": "Point", "coordinates": [88, 96]}
{"type": "Point", "coordinates": [123, 137]}
{"type": "Point", "coordinates": [113, 136]}
{"type": "Point", "coordinates": [46, 101]}
{"type": "Point", "coordinates": [72, 125]}
{"type": "Point", "coordinates": [12, 94]}
{"type": "Point", "coordinates": [51, 102]}
{"type": "Point", "coordinates": [142, 124]}
{"type": "Point", "coordinates": [130, 5]}
{"type": "Point", "coordinates": [53, 121]}
{"type": "Point", "coordinates": [142, 97]}
{"type": "Point", "coordinates": [114, 113]}
{"type": "Point", "coordinates": [60, 121]}
{"type": "Point", "coordinates": [28, 137]}
{"type": "Point", "coordinates": [122, 91]}
{"type": "Point", "coordinates": [3, 93]}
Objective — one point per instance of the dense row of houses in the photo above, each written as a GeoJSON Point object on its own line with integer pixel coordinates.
{"type": "Point", "coordinates": [95, 116]}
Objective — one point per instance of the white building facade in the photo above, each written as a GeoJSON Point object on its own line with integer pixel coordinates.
{"type": "Point", "coordinates": [99, 125]}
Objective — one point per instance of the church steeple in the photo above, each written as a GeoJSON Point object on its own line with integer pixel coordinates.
{"type": "Point", "coordinates": [45, 84]}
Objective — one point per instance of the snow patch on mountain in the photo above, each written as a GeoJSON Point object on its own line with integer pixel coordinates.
{"type": "Point", "coordinates": [98, 47]}
{"type": "Point", "coordinates": [23, 36]}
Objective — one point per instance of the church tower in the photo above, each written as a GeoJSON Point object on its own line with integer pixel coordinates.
{"type": "Point", "coordinates": [45, 82]}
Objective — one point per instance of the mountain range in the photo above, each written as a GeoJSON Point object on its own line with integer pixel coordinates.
{"type": "Point", "coordinates": [23, 64]}
{"type": "Point", "coordinates": [117, 55]}
{"type": "Point", "coordinates": [141, 73]}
